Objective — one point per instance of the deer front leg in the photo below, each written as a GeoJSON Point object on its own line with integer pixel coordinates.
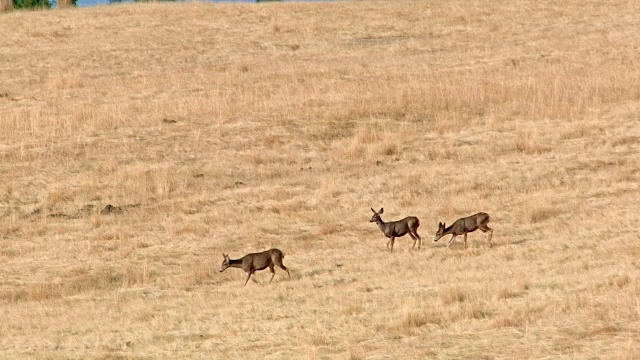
{"type": "Point", "coordinates": [248, 276]}
{"type": "Point", "coordinates": [465, 240]}
{"type": "Point", "coordinates": [489, 231]}
{"type": "Point", "coordinates": [391, 241]}
{"type": "Point", "coordinates": [453, 237]}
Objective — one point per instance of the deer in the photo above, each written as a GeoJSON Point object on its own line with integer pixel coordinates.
{"type": "Point", "coordinates": [253, 262]}
{"type": "Point", "coordinates": [465, 225]}
{"type": "Point", "coordinates": [399, 228]}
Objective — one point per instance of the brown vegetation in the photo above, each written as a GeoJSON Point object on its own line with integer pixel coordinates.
{"type": "Point", "coordinates": [241, 127]}
{"type": "Point", "coordinates": [6, 5]}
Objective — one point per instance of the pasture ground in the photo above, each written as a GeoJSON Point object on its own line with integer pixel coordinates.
{"type": "Point", "coordinates": [235, 128]}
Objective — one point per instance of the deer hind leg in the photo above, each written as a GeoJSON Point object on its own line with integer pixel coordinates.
{"type": "Point", "coordinates": [415, 239]}
{"type": "Point", "coordinates": [453, 237]}
{"type": "Point", "coordinates": [273, 272]}
{"type": "Point", "coordinates": [415, 232]}
{"type": "Point", "coordinates": [281, 265]}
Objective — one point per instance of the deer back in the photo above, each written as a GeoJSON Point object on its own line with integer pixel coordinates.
{"type": "Point", "coordinates": [402, 227]}
{"type": "Point", "coordinates": [470, 223]}
{"type": "Point", "coordinates": [261, 260]}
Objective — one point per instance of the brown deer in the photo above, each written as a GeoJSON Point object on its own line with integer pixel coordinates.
{"type": "Point", "coordinates": [394, 229]}
{"type": "Point", "coordinates": [466, 225]}
{"type": "Point", "coordinates": [251, 263]}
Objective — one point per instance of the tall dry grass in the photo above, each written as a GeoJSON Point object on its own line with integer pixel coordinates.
{"type": "Point", "coordinates": [238, 127]}
{"type": "Point", "coordinates": [6, 5]}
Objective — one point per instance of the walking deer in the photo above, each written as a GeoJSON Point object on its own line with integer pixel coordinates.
{"type": "Point", "coordinates": [394, 229]}
{"type": "Point", "coordinates": [466, 225]}
{"type": "Point", "coordinates": [253, 262]}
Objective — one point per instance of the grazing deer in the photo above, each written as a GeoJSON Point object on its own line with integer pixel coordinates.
{"type": "Point", "coordinates": [251, 263]}
{"type": "Point", "coordinates": [394, 229]}
{"type": "Point", "coordinates": [465, 225]}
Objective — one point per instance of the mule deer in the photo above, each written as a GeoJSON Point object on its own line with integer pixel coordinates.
{"type": "Point", "coordinates": [251, 263]}
{"type": "Point", "coordinates": [465, 225]}
{"type": "Point", "coordinates": [394, 229]}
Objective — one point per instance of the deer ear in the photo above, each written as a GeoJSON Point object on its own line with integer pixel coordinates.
{"type": "Point", "coordinates": [381, 211]}
{"type": "Point", "coordinates": [373, 210]}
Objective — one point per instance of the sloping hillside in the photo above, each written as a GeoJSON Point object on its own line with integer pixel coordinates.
{"type": "Point", "coordinates": [235, 128]}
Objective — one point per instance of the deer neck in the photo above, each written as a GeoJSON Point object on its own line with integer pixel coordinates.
{"type": "Point", "coordinates": [448, 230]}
{"type": "Point", "coordinates": [237, 263]}
{"type": "Point", "coordinates": [381, 225]}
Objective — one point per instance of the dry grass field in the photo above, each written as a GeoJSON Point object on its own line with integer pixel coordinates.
{"type": "Point", "coordinates": [235, 128]}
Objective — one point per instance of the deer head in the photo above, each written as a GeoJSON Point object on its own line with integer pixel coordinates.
{"type": "Point", "coordinates": [440, 232]}
{"type": "Point", "coordinates": [376, 215]}
{"type": "Point", "coordinates": [225, 263]}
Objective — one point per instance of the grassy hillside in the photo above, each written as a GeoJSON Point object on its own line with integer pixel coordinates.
{"type": "Point", "coordinates": [235, 128]}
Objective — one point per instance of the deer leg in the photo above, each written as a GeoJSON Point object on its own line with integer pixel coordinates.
{"type": "Point", "coordinates": [414, 239]}
{"type": "Point", "coordinates": [285, 268]}
{"type": "Point", "coordinates": [392, 241]}
{"type": "Point", "coordinates": [419, 240]}
{"type": "Point", "coordinates": [453, 237]}
{"type": "Point", "coordinates": [248, 276]}
{"type": "Point", "coordinates": [465, 240]}
{"type": "Point", "coordinates": [489, 235]}
{"type": "Point", "coordinates": [273, 272]}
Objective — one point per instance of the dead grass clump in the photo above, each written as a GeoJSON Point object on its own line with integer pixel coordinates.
{"type": "Point", "coordinates": [6, 5]}
{"type": "Point", "coordinates": [541, 214]}
{"type": "Point", "coordinates": [450, 212]}
{"type": "Point", "coordinates": [201, 273]}
{"type": "Point", "coordinates": [191, 228]}
{"type": "Point", "coordinates": [62, 4]}
{"type": "Point", "coordinates": [625, 140]}
{"type": "Point", "coordinates": [370, 145]}
{"type": "Point", "coordinates": [453, 295]}
{"type": "Point", "coordinates": [83, 281]}
{"type": "Point", "coordinates": [539, 209]}
{"type": "Point", "coordinates": [474, 310]}
{"type": "Point", "coordinates": [366, 137]}
{"type": "Point", "coordinates": [504, 322]}
{"type": "Point", "coordinates": [356, 353]}
{"type": "Point", "coordinates": [579, 130]}
{"type": "Point", "coordinates": [353, 309]}
{"type": "Point", "coordinates": [319, 339]}
{"type": "Point", "coordinates": [328, 229]}
{"type": "Point", "coordinates": [596, 331]}
{"type": "Point", "coordinates": [32, 292]}
{"type": "Point", "coordinates": [413, 319]}
{"type": "Point", "coordinates": [386, 147]}
{"type": "Point", "coordinates": [620, 281]}
{"type": "Point", "coordinates": [528, 144]}
{"type": "Point", "coordinates": [443, 151]}
{"type": "Point", "coordinates": [507, 293]}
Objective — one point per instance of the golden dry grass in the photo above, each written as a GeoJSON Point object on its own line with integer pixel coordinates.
{"type": "Point", "coordinates": [242, 127]}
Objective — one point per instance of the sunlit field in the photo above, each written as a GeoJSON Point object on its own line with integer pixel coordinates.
{"type": "Point", "coordinates": [236, 128]}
